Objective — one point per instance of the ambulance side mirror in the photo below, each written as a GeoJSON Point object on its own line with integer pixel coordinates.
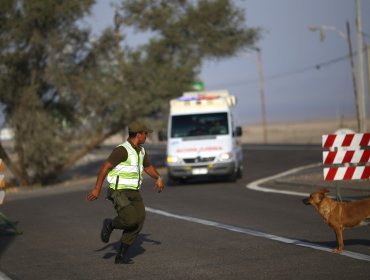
{"type": "Point", "coordinates": [238, 131]}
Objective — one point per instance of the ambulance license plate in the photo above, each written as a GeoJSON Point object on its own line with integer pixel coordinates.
{"type": "Point", "coordinates": [199, 171]}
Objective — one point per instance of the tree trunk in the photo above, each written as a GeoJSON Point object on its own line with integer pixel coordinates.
{"type": "Point", "coordinates": [21, 177]}
{"type": "Point", "coordinates": [96, 140]}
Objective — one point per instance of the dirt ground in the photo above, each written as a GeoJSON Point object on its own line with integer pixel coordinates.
{"type": "Point", "coordinates": [306, 132]}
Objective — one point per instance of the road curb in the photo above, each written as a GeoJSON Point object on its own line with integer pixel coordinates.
{"type": "Point", "coordinates": [298, 182]}
{"type": "Point", "coordinates": [256, 185]}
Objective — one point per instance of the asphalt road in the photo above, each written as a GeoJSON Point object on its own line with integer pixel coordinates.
{"type": "Point", "coordinates": [205, 230]}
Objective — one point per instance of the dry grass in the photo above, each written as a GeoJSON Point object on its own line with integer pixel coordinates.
{"type": "Point", "coordinates": [307, 132]}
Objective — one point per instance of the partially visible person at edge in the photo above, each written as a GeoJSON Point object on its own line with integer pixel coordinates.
{"type": "Point", "coordinates": [124, 171]}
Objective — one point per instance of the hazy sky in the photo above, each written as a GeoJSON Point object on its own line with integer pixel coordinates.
{"type": "Point", "coordinates": [289, 47]}
{"type": "Point", "coordinates": [294, 88]}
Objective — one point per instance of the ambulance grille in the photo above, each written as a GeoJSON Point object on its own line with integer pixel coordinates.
{"type": "Point", "coordinates": [199, 160]}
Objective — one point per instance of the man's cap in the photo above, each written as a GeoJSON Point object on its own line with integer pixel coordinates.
{"type": "Point", "coordinates": [138, 127]}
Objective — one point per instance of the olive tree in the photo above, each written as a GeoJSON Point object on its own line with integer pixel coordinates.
{"type": "Point", "coordinates": [64, 92]}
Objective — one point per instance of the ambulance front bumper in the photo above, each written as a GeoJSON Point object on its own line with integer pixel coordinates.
{"type": "Point", "coordinates": [188, 171]}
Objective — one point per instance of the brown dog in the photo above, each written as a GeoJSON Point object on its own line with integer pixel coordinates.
{"type": "Point", "coordinates": [340, 215]}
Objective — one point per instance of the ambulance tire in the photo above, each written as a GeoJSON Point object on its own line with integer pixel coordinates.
{"type": "Point", "coordinates": [232, 177]}
{"type": "Point", "coordinates": [239, 173]}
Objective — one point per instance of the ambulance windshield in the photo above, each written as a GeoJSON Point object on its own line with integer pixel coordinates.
{"type": "Point", "coordinates": [199, 125]}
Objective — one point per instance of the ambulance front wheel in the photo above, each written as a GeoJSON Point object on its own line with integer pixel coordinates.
{"type": "Point", "coordinates": [239, 173]}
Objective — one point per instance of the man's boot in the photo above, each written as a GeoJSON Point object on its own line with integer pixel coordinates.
{"type": "Point", "coordinates": [122, 256]}
{"type": "Point", "coordinates": [106, 230]}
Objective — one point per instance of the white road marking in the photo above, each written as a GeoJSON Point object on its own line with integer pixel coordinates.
{"type": "Point", "coordinates": [252, 232]}
{"type": "Point", "coordinates": [256, 184]}
{"type": "Point", "coordinates": [3, 276]}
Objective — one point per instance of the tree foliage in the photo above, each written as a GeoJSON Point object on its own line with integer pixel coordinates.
{"type": "Point", "coordinates": [65, 92]}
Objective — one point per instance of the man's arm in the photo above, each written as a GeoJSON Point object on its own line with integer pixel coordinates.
{"type": "Point", "coordinates": [95, 192]}
{"type": "Point", "coordinates": [152, 172]}
{"type": "Point", "coordinates": [118, 155]}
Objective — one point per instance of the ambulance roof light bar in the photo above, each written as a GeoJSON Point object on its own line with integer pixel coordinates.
{"type": "Point", "coordinates": [208, 95]}
{"type": "Point", "coordinates": [198, 97]}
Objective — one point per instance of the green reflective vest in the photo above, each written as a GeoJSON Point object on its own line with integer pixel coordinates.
{"type": "Point", "coordinates": [128, 174]}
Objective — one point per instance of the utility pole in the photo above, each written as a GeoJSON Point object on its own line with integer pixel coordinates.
{"type": "Point", "coordinates": [117, 26]}
{"type": "Point", "coordinates": [258, 60]}
{"type": "Point", "coordinates": [353, 75]}
{"type": "Point", "coordinates": [368, 68]}
{"type": "Point", "coordinates": [262, 94]}
{"type": "Point", "coordinates": [361, 99]}
{"type": "Point", "coordinates": [119, 53]}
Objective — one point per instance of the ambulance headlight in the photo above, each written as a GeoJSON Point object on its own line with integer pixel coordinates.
{"type": "Point", "coordinates": [225, 157]}
{"type": "Point", "coordinates": [173, 159]}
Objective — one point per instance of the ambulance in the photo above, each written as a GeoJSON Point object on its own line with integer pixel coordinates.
{"type": "Point", "coordinates": [203, 137]}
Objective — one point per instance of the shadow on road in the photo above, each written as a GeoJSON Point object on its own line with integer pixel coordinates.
{"type": "Point", "coordinates": [136, 249]}
{"type": "Point", "coordinates": [7, 236]}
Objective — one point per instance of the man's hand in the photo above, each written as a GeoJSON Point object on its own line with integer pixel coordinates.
{"type": "Point", "coordinates": [93, 195]}
{"type": "Point", "coordinates": [95, 192]}
{"type": "Point", "coordinates": [159, 184]}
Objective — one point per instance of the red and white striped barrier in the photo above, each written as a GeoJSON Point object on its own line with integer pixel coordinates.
{"type": "Point", "coordinates": [351, 150]}
{"type": "Point", "coordinates": [342, 157]}
{"type": "Point", "coordinates": [346, 140]}
{"type": "Point", "coordinates": [2, 183]}
{"type": "Point", "coordinates": [347, 173]}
